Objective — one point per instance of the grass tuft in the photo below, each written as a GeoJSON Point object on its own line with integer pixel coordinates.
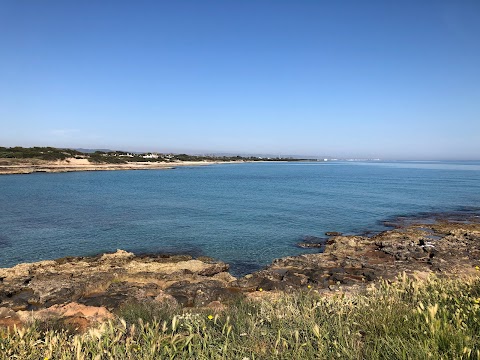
{"type": "Point", "coordinates": [433, 319]}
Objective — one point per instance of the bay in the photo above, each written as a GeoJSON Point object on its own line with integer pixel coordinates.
{"type": "Point", "coordinates": [244, 214]}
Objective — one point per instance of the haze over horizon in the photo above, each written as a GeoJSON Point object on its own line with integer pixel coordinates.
{"type": "Point", "coordinates": [351, 79]}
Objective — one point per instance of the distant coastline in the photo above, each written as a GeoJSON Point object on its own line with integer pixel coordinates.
{"type": "Point", "coordinates": [72, 165]}
{"type": "Point", "coordinates": [18, 160]}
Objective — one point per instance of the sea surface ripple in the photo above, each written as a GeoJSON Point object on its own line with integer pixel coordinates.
{"type": "Point", "coordinates": [244, 214]}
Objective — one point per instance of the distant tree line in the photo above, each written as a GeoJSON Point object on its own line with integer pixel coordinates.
{"type": "Point", "coordinates": [43, 153]}
{"type": "Point", "coordinates": [117, 157]}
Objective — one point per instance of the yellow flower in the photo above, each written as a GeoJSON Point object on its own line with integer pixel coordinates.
{"type": "Point", "coordinates": [477, 268]}
{"type": "Point", "coordinates": [260, 289]}
{"type": "Point", "coordinates": [210, 317]}
{"type": "Point", "coordinates": [309, 286]}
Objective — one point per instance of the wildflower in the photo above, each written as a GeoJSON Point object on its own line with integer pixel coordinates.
{"type": "Point", "coordinates": [309, 286]}
{"type": "Point", "coordinates": [260, 289]}
{"type": "Point", "coordinates": [477, 268]}
{"type": "Point", "coordinates": [210, 317]}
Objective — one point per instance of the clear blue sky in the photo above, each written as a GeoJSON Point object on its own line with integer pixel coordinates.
{"type": "Point", "coordinates": [387, 79]}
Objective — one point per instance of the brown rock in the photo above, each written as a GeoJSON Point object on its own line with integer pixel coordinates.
{"type": "Point", "coordinates": [76, 316]}
{"type": "Point", "coordinates": [9, 318]}
{"type": "Point", "coordinates": [347, 262]}
{"type": "Point", "coordinates": [444, 247]}
{"type": "Point", "coordinates": [108, 280]}
{"type": "Point", "coordinates": [217, 306]}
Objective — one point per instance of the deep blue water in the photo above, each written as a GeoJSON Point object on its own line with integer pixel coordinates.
{"type": "Point", "coordinates": [243, 214]}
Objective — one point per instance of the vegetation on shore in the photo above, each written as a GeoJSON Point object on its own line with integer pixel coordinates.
{"type": "Point", "coordinates": [117, 157]}
{"type": "Point", "coordinates": [409, 319]}
{"type": "Point", "coordinates": [42, 153]}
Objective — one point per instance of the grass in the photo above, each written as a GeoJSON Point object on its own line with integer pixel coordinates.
{"type": "Point", "coordinates": [433, 319]}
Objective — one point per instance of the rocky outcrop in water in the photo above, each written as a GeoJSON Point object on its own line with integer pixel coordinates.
{"type": "Point", "coordinates": [309, 242]}
{"type": "Point", "coordinates": [86, 289]}
{"type": "Point", "coordinates": [444, 248]}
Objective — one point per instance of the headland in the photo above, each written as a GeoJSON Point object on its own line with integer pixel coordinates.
{"type": "Point", "coordinates": [19, 160]}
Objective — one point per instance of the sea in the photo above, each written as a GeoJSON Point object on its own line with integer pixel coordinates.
{"type": "Point", "coordinates": [245, 214]}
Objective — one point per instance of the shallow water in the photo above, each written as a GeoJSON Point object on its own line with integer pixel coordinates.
{"type": "Point", "coordinates": [244, 214]}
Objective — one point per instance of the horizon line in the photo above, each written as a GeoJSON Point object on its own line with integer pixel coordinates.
{"type": "Point", "coordinates": [244, 154]}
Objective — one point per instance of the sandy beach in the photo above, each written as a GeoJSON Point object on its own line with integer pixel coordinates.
{"type": "Point", "coordinates": [9, 166]}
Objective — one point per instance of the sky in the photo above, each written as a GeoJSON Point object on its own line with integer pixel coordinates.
{"type": "Point", "coordinates": [361, 79]}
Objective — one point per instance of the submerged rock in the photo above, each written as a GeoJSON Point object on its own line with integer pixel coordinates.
{"type": "Point", "coordinates": [333, 233]}
{"type": "Point", "coordinates": [309, 242]}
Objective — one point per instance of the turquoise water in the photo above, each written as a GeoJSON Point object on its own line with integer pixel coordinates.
{"type": "Point", "coordinates": [243, 214]}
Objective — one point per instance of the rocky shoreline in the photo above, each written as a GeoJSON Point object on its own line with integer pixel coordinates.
{"type": "Point", "coordinates": [71, 165]}
{"type": "Point", "coordinates": [86, 289]}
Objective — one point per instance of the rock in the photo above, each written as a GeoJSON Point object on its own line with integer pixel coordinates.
{"type": "Point", "coordinates": [200, 294]}
{"type": "Point", "coordinates": [75, 309]}
{"type": "Point", "coordinates": [9, 318]}
{"type": "Point", "coordinates": [225, 277]}
{"type": "Point", "coordinates": [166, 299]}
{"type": "Point", "coordinates": [74, 315]}
{"type": "Point", "coordinates": [312, 242]}
{"type": "Point", "coordinates": [310, 245]}
{"type": "Point", "coordinates": [347, 262]}
{"type": "Point", "coordinates": [116, 256]}
{"type": "Point", "coordinates": [217, 306]}
{"type": "Point", "coordinates": [108, 280]}
{"type": "Point", "coordinates": [333, 233]}
{"type": "Point", "coordinates": [444, 247]}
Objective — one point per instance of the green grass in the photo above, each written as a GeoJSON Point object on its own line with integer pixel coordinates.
{"type": "Point", "coordinates": [436, 319]}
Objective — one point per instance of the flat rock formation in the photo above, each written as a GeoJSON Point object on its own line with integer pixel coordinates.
{"type": "Point", "coordinates": [111, 280]}
{"type": "Point", "coordinates": [444, 248]}
{"type": "Point", "coordinates": [91, 287]}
